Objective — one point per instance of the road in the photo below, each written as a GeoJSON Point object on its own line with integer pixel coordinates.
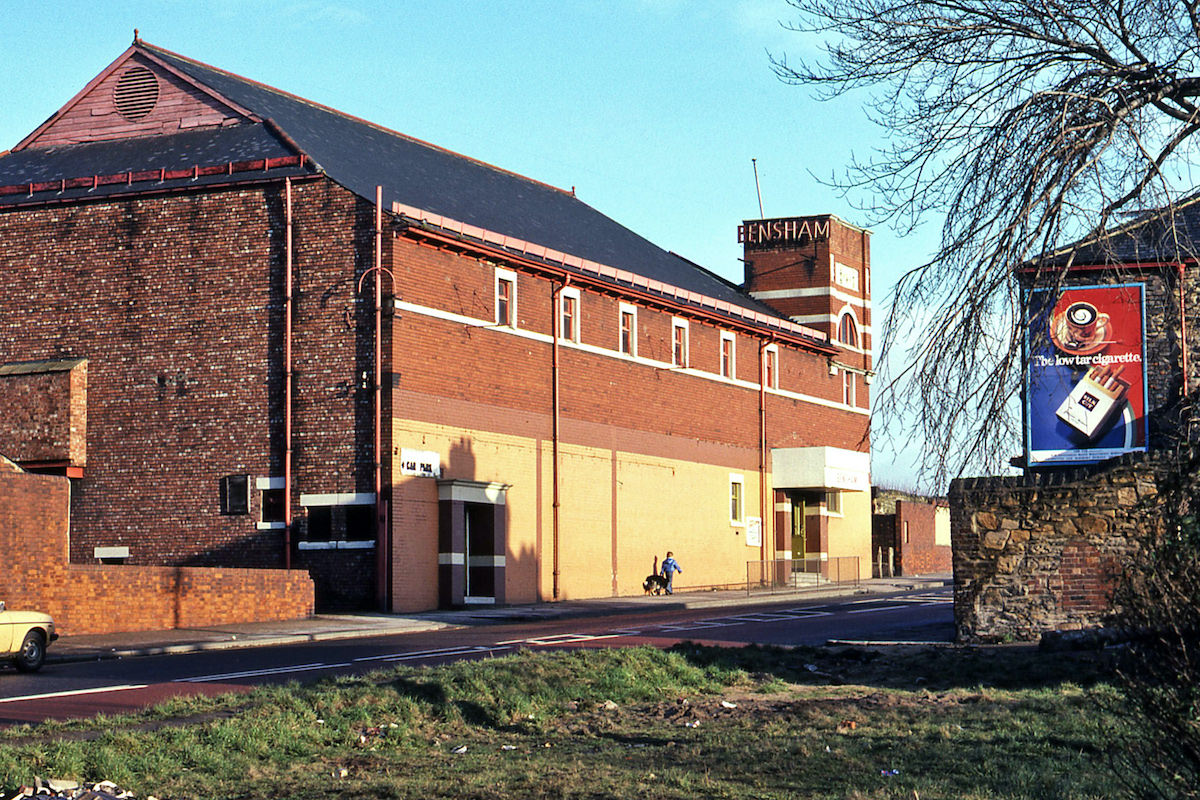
{"type": "Point", "coordinates": [71, 690]}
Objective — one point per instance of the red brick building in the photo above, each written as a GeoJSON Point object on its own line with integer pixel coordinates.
{"type": "Point", "coordinates": [256, 332]}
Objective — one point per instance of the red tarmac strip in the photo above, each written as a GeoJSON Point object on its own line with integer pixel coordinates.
{"type": "Point", "coordinates": [110, 701]}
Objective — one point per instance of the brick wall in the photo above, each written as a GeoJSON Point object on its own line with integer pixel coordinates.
{"type": "Point", "coordinates": [45, 411]}
{"type": "Point", "coordinates": [35, 575]}
{"type": "Point", "coordinates": [1042, 552]}
{"type": "Point", "coordinates": [177, 304]}
{"type": "Point", "coordinates": [512, 369]}
{"type": "Point", "coordinates": [916, 531]}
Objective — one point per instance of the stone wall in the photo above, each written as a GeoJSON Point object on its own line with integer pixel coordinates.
{"type": "Point", "coordinates": [1043, 552]}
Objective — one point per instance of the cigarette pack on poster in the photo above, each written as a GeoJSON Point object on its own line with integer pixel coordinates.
{"type": "Point", "coordinates": [1093, 401]}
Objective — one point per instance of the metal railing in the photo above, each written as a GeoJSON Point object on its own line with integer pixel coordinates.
{"type": "Point", "coordinates": [793, 574]}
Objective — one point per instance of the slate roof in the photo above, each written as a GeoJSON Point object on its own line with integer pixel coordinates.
{"type": "Point", "coordinates": [1165, 235]}
{"type": "Point", "coordinates": [238, 144]}
{"type": "Point", "coordinates": [360, 155]}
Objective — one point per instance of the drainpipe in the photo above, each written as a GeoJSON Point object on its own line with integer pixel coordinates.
{"type": "Point", "coordinates": [287, 368]}
{"type": "Point", "coordinates": [556, 330]}
{"type": "Point", "coordinates": [762, 448]}
{"type": "Point", "coordinates": [1183, 329]}
{"type": "Point", "coordinates": [382, 549]}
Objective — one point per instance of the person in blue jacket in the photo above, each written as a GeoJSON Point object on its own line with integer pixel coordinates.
{"type": "Point", "coordinates": [669, 567]}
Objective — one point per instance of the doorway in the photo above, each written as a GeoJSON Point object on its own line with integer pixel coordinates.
{"type": "Point", "coordinates": [472, 519]}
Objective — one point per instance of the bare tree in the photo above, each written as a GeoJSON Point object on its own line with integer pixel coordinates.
{"type": "Point", "coordinates": [1026, 125]}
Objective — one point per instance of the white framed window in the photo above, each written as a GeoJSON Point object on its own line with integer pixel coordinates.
{"type": "Point", "coordinates": [506, 298]}
{"type": "Point", "coordinates": [271, 503]}
{"type": "Point", "coordinates": [737, 499]}
{"type": "Point", "coordinates": [679, 342]}
{"type": "Point", "coordinates": [833, 503]}
{"type": "Point", "coordinates": [728, 355]}
{"type": "Point", "coordinates": [568, 314]}
{"type": "Point", "coordinates": [770, 366]}
{"type": "Point", "coordinates": [849, 388]}
{"type": "Point", "coordinates": [627, 336]}
{"type": "Point", "coordinates": [337, 521]}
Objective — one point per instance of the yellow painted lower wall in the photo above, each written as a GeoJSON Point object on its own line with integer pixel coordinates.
{"type": "Point", "coordinates": [850, 534]}
{"type": "Point", "coordinates": [620, 512]}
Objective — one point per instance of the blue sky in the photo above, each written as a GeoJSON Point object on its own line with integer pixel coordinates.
{"type": "Point", "coordinates": [651, 109]}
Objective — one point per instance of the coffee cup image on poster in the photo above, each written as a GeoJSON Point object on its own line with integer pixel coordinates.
{"type": "Point", "coordinates": [1086, 387]}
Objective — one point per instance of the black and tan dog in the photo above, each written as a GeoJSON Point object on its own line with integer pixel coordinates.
{"type": "Point", "coordinates": [654, 584]}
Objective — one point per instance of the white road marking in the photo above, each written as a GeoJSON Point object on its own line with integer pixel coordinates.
{"type": "Point", "coordinates": [443, 651]}
{"type": "Point", "coordinates": [255, 673]}
{"type": "Point", "coordinates": [695, 626]}
{"type": "Point", "coordinates": [416, 656]}
{"type": "Point", "coordinates": [98, 690]}
{"type": "Point", "coordinates": [569, 638]}
{"type": "Point", "coordinates": [783, 615]}
{"type": "Point", "coordinates": [873, 610]}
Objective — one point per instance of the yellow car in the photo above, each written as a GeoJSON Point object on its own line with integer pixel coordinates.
{"type": "Point", "coordinates": [24, 636]}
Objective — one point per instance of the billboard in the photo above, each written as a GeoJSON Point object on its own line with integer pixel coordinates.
{"type": "Point", "coordinates": [1086, 389]}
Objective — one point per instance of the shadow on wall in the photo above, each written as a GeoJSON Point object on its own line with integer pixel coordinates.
{"type": "Point", "coordinates": [460, 464]}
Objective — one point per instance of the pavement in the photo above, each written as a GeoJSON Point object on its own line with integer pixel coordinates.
{"type": "Point", "coordinates": [324, 627]}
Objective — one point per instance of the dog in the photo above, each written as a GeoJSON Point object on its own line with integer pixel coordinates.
{"type": "Point", "coordinates": [654, 584]}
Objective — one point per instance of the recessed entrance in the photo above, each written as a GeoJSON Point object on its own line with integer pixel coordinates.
{"type": "Point", "coordinates": [472, 523]}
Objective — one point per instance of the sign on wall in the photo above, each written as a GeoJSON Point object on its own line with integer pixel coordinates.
{"type": "Point", "coordinates": [753, 531]}
{"type": "Point", "coordinates": [1086, 387]}
{"type": "Point", "coordinates": [420, 463]}
{"type": "Point", "coordinates": [767, 232]}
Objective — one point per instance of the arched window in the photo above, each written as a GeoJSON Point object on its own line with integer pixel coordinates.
{"type": "Point", "coordinates": [847, 331]}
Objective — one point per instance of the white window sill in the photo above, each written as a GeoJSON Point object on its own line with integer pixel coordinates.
{"type": "Point", "coordinates": [339, 545]}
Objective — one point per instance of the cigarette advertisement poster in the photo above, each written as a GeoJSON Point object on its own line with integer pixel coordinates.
{"type": "Point", "coordinates": [1086, 393]}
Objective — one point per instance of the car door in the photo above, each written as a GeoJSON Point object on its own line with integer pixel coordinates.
{"type": "Point", "coordinates": [6, 632]}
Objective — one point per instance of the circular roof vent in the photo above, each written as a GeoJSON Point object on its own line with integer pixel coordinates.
{"type": "Point", "coordinates": [136, 93]}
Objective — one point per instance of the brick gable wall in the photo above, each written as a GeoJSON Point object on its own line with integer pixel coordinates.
{"type": "Point", "coordinates": [176, 301]}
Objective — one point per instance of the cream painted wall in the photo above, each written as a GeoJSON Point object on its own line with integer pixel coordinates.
{"type": "Point", "coordinates": [850, 534]}
{"type": "Point", "coordinates": [659, 504]}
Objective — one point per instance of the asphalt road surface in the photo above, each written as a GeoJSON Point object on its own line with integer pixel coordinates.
{"type": "Point", "coordinates": [72, 690]}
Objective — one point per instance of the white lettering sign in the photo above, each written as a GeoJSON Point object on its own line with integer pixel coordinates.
{"type": "Point", "coordinates": [420, 463]}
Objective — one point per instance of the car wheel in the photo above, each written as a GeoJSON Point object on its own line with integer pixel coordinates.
{"type": "Point", "coordinates": [32, 652]}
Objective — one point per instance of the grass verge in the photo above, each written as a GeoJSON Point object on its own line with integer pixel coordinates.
{"type": "Point", "coordinates": [691, 722]}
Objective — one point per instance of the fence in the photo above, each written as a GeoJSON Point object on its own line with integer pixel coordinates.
{"type": "Point", "coordinates": [792, 574]}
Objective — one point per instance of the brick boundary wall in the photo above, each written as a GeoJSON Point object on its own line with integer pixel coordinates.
{"type": "Point", "coordinates": [35, 575]}
{"type": "Point", "coordinates": [921, 554]}
{"type": "Point", "coordinates": [1043, 552]}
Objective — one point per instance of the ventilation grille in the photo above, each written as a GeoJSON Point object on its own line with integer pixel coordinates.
{"type": "Point", "coordinates": [136, 93]}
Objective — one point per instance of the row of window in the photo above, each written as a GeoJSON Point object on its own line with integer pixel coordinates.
{"type": "Point", "coordinates": [568, 328]}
